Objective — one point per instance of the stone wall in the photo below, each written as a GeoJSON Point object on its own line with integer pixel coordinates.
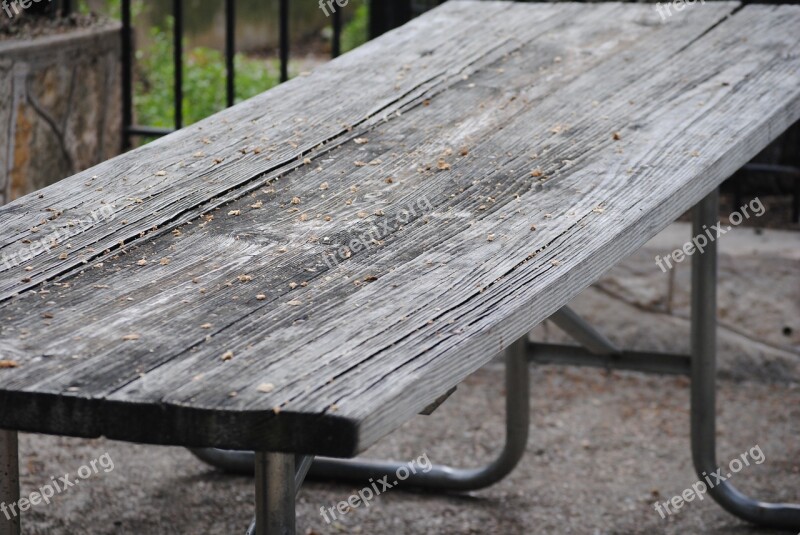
{"type": "Point", "coordinates": [60, 108]}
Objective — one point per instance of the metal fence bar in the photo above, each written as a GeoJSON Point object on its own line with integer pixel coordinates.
{"type": "Point", "coordinates": [127, 74]}
{"type": "Point", "coordinates": [177, 13]}
{"type": "Point", "coordinates": [385, 16]}
{"type": "Point", "coordinates": [230, 51]}
{"type": "Point", "coordinates": [283, 17]}
{"type": "Point", "coordinates": [336, 49]}
{"type": "Point", "coordinates": [148, 131]}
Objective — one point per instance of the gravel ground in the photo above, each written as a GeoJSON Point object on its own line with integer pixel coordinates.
{"type": "Point", "coordinates": [603, 447]}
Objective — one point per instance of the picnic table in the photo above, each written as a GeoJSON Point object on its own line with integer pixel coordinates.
{"type": "Point", "coordinates": [301, 274]}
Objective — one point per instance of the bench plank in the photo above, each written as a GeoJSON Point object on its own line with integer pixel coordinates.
{"type": "Point", "coordinates": [443, 268]}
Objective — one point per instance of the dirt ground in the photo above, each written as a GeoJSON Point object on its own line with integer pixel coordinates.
{"type": "Point", "coordinates": [603, 447]}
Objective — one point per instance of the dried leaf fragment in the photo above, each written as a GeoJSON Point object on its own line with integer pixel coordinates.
{"type": "Point", "coordinates": [266, 388]}
{"type": "Point", "coordinates": [361, 140]}
{"type": "Point", "coordinates": [161, 173]}
{"type": "Point", "coordinates": [323, 186]}
{"type": "Point", "coordinates": [131, 337]}
{"type": "Point", "coordinates": [228, 355]}
{"type": "Point", "coordinates": [235, 212]}
{"type": "Point", "coordinates": [295, 302]}
{"type": "Point", "coordinates": [5, 364]}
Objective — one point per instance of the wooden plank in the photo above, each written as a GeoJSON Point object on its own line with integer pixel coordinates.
{"type": "Point", "coordinates": [445, 286]}
{"type": "Point", "coordinates": [174, 179]}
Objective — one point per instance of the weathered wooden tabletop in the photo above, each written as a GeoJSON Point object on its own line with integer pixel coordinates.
{"type": "Point", "coordinates": [309, 269]}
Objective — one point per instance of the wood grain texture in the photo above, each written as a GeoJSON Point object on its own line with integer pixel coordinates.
{"type": "Point", "coordinates": [373, 233]}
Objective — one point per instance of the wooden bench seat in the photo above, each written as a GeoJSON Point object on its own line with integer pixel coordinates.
{"type": "Point", "coordinates": [306, 271]}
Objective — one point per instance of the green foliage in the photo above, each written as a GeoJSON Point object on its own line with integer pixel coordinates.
{"type": "Point", "coordinates": [356, 32]}
{"type": "Point", "coordinates": [203, 81]}
{"type": "Point", "coordinates": [110, 8]}
{"type": "Point", "coordinates": [204, 69]}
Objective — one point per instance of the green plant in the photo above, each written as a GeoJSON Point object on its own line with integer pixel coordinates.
{"type": "Point", "coordinates": [204, 69]}
{"type": "Point", "coordinates": [355, 33]}
{"type": "Point", "coordinates": [203, 83]}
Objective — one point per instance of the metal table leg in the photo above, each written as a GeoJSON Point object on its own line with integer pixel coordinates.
{"type": "Point", "coordinates": [442, 478]}
{"type": "Point", "coordinates": [703, 386]}
{"type": "Point", "coordinates": [9, 483]}
{"type": "Point", "coordinates": [275, 493]}
{"type": "Point", "coordinates": [582, 332]}
{"type": "Point", "coordinates": [302, 464]}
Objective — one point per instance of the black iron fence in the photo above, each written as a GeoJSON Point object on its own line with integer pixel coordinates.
{"type": "Point", "coordinates": [128, 55]}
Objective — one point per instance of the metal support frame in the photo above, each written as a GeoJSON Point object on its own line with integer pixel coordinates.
{"type": "Point", "coordinates": [9, 483]}
{"type": "Point", "coordinates": [446, 478]}
{"type": "Point", "coordinates": [704, 388]}
{"type": "Point", "coordinates": [596, 351]}
{"type": "Point", "coordinates": [441, 478]}
{"type": "Point", "coordinates": [275, 493]}
{"type": "Point", "coordinates": [283, 511]}
{"type": "Point", "coordinates": [273, 512]}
